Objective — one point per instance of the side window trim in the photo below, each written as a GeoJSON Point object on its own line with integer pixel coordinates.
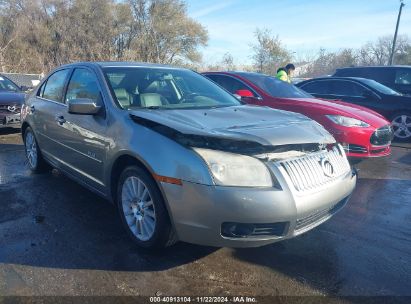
{"type": "Point", "coordinates": [40, 91]}
{"type": "Point", "coordinates": [66, 85]}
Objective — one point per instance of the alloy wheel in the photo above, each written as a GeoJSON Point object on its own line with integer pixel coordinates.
{"type": "Point", "coordinates": [31, 150]}
{"type": "Point", "coordinates": [402, 126]}
{"type": "Point", "coordinates": [138, 208]}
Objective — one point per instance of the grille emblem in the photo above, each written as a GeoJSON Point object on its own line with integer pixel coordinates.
{"type": "Point", "coordinates": [11, 108]}
{"type": "Point", "coordinates": [327, 167]}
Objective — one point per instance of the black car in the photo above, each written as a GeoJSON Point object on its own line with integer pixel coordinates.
{"type": "Point", "coordinates": [11, 100]}
{"type": "Point", "coordinates": [395, 106]}
{"type": "Point", "coordinates": [397, 78]}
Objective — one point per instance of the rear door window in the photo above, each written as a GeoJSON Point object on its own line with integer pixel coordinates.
{"type": "Point", "coordinates": [317, 87]}
{"type": "Point", "coordinates": [53, 89]}
{"type": "Point", "coordinates": [346, 88]}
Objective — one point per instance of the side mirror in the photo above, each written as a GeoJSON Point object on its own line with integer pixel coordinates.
{"type": "Point", "coordinates": [244, 93]}
{"type": "Point", "coordinates": [25, 88]}
{"type": "Point", "coordinates": [83, 106]}
{"type": "Point", "coordinates": [237, 96]}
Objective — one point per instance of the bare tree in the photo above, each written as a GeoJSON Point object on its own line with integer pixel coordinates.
{"type": "Point", "coordinates": [227, 62]}
{"type": "Point", "coordinates": [268, 52]}
{"type": "Point", "coordinates": [371, 53]}
{"type": "Point", "coordinates": [37, 35]}
{"type": "Point", "coordinates": [378, 52]}
{"type": "Point", "coordinates": [164, 33]}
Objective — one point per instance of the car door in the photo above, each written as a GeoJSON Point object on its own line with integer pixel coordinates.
{"type": "Point", "coordinates": [46, 108]}
{"type": "Point", "coordinates": [84, 136]}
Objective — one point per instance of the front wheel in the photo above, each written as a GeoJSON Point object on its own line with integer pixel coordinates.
{"type": "Point", "coordinates": [142, 209]}
{"type": "Point", "coordinates": [401, 124]}
{"type": "Point", "coordinates": [33, 154]}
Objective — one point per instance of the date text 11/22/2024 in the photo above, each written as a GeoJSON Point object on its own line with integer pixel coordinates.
{"type": "Point", "coordinates": [203, 299]}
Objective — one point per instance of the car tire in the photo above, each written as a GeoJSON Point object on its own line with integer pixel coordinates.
{"type": "Point", "coordinates": [142, 209]}
{"type": "Point", "coordinates": [34, 157]}
{"type": "Point", "coordinates": [401, 123]}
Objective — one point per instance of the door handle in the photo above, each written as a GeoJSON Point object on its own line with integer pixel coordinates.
{"type": "Point", "coordinates": [32, 109]}
{"type": "Point", "coordinates": [60, 119]}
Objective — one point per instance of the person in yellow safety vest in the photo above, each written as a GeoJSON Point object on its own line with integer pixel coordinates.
{"type": "Point", "coordinates": [286, 73]}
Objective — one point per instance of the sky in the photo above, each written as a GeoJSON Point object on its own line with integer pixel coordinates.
{"type": "Point", "coordinates": [304, 26]}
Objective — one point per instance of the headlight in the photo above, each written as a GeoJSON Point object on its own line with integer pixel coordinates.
{"type": "Point", "coordinates": [230, 169]}
{"type": "Point", "coordinates": [347, 121]}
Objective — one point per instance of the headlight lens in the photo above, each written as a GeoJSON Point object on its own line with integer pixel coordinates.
{"type": "Point", "coordinates": [230, 169]}
{"type": "Point", "coordinates": [347, 121]}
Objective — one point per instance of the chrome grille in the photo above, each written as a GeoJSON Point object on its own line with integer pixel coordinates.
{"type": "Point", "coordinates": [313, 170]}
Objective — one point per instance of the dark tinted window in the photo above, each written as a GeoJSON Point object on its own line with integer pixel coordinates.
{"type": "Point", "coordinates": [403, 76]}
{"type": "Point", "coordinates": [83, 84]}
{"type": "Point", "coordinates": [229, 83]}
{"type": "Point", "coordinates": [346, 88]}
{"type": "Point", "coordinates": [316, 87]}
{"type": "Point", "coordinates": [54, 87]}
{"type": "Point", "coordinates": [275, 87]}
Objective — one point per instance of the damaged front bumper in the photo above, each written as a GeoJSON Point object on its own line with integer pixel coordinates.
{"type": "Point", "coordinates": [250, 217]}
{"type": "Point", "coordinates": [10, 120]}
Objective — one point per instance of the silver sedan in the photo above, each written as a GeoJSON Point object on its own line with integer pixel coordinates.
{"type": "Point", "coordinates": [182, 158]}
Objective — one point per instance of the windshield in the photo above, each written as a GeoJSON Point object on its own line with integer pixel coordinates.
{"type": "Point", "coordinates": [165, 88]}
{"type": "Point", "coordinates": [274, 86]}
{"type": "Point", "coordinates": [8, 85]}
{"type": "Point", "coordinates": [380, 87]}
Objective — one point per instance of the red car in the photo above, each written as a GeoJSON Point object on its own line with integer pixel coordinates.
{"type": "Point", "coordinates": [361, 131]}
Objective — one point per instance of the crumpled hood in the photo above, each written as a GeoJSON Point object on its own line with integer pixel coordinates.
{"type": "Point", "coordinates": [11, 98]}
{"type": "Point", "coordinates": [262, 125]}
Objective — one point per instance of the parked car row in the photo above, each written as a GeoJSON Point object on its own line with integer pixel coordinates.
{"type": "Point", "coordinates": [361, 131]}
{"type": "Point", "coordinates": [367, 93]}
{"type": "Point", "coordinates": [242, 160]}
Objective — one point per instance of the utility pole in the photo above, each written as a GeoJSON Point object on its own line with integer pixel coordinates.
{"type": "Point", "coordinates": [396, 32]}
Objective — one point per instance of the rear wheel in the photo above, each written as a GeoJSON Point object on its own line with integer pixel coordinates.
{"type": "Point", "coordinates": [401, 123]}
{"type": "Point", "coordinates": [33, 154]}
{"type": "Point", "coordinates": [142, 209]}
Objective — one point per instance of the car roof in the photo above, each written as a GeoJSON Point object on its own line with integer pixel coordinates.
{"type": "Point", "coordinates": [376, 67]}
{"type": "Point", "coordinates": [107, 64]}
{"type": "Point", "coordinates": [358, 79]}
{"type": "Point", "coordinates": [239, 73]}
